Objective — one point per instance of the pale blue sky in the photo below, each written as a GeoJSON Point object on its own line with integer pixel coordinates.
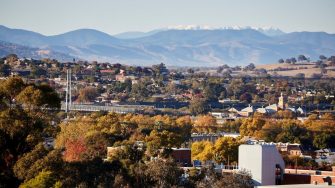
{"type": "Point", "coordinates": [51, 17]}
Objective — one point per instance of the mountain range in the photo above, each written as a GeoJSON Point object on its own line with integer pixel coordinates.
{"type": "Point", "coordinates": [173, 46]}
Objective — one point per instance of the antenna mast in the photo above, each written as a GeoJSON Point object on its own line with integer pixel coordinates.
{"type": "Point", "coordinates": [68, 99]}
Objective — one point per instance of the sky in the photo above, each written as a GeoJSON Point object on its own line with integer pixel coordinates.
{"type": "Point", "coordinates": [51, 17]}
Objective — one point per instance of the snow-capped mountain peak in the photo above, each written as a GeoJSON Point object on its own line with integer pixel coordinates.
{"type": "Point", "coordinates": [268, 30]}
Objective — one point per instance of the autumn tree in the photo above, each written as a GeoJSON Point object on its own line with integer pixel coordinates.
{"type": "Point", "coordinates": [226, 150]}
{"type": "Point", "coordinates": [87, 94]}
{"type": "Point", "coordinates": [84, 138]}
{"type": "Point", "coordinates": [239, 179]}
{"type": "Point", "coordinates": [21, 129]}
{"type": "Point", "coordinates": [202, 151]}
{"type": "Point", "coordinates": [251, 125]}
{"type": "Point", "coordinates": [163, 173]}
{"type": "Point", "coordinates": [140, 91]}
{"type": "Point", "coordinates": [43, 179]}
{"type": "Point", "coordinates": [205, 123]}
{"type": "Point", "coordinates": [324, 140]}
{"type": "Point", "coordinates": [198, 106]}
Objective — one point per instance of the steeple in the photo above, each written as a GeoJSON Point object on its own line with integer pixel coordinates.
{"type": "Point", "coordinates": [281, 101]}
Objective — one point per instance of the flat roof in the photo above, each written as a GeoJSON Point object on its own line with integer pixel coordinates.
{"type": "Point", "coordinates": [298, 186]}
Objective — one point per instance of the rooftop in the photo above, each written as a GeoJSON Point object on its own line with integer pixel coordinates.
{"type": "Point", "coordinates": [297, 186]}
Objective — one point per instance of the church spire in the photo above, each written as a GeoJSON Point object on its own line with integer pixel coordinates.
{"type": "Point", "coordinates": [281, 101]}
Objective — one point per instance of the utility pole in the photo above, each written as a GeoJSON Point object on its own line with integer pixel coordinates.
{"type": "Point", "coordinates": [70, 87]}
{"type": "Point", "coordinates": [67, 91]}
{"type": "Point", "coordinates": [68, 99]}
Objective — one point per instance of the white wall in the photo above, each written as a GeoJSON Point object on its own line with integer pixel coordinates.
{"type": "Point", "coordinates": [260, 161]}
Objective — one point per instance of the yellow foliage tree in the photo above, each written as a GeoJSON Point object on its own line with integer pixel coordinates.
{"type": "Point", "coordinates": [226, 150]}
{"type": "Point", "coordinates": [205, 123]}
{"type": "Point", "coordinates": [202, 151]}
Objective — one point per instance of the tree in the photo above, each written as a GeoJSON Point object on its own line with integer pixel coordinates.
{"type": "Point", "coordinates": [198, 106]}
{"type": "Point", "coordinates": [10, 88]}
{"type": "Point", "coordinates": [12, 58]}
{"type": "Point", "coordinates": [96, 144]}
{"type": "Point", "coordinates": [300, 75]}
{"type": "Point", "coordinates": [171, 88]}
{"type": "Point", "coordinates": [37, 71]}
{"type": "Point", "coordinates": [291, 132]}
{"type": "Point", "coordinates": [139, 91]}
{"type": "Point", "coordinates": [302, 58]}
{"type": "Point", "coordinates": [20, 130]}
{"type": "Point", "coordinates": [324, 140]}
{"type": "Point", "coordinates": [209, 94]}
{"type": "Point", "coordinates": [205, 123]}
{"type": "Point", "coordinates": [163, 173]}
{"type": "Point", "coordinates": [87, 94]}
{"type": "Point", "coordinates": [22, 166]}
{"type": "Point", "coordinates": [85, 139]}
{"type": "Point", "coordinates": [4, 70]}
{"type": "Point", "coordinates": [316, 76]}
{"type": "Point", "coordinates": [328, 116]}
{"type": "Point", "coordinates": [93, 173]}
{"type": "Point", "coordinates": [322, 57]}
{"type": "Point", "coordinates": [250, 126]}
{"type": "Point", "coordinates": [74, 150]}
{"type": "Point", "coordinates": [281, 61]}
{"type": "Point", "coordinates": [285, 114]}
{"type": "Point", "coordinates": [239, 179]}
{"type": "Point", "coordinates": [30, 97]}
{"type": "Point", "coordinates": [250, 67]}
{"type": "Point", "coordinates": [246, 97]}
{"type": "Point", "coordinates": [269, 131]}
{"type": "Point", "coordinates": [202, 151]}
{"type": "Point", "coordinates": [288, 61]}
{"type": "Point", "coordinates": [293, 60]}
{"type": "Point", "coordinates": [43, 179]}
{"type": "Point", "coordinates": [226, 150]}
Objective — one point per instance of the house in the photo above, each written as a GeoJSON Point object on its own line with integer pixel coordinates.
{"type": "Point", "coordinates": [325, 155]}
{"type": "Point", "coordinates": [204, 137]}
{"type": "Point", "coordinates": [263, 111]}
{"type": "Point", "coordinates": [233, 110]}
{"type": "Point", "coordinates": [107, 74]}
{"type": "Point", "coordinates": [294, 149]}
{"type": "Point", "coordinates": [246, 112]}
{"type": "Point", "coordinates": [326, 152]}
{"type": "Point", "coordinates": [21, 72]}
{"type": "Point", "coordinates": [219, 115]}
{"type": "Point", "coordinates": [272, 108]}
{"type": "Point", "coordinates": [290, 149]}
{"type": "Point", "coordinates": [212, 137]}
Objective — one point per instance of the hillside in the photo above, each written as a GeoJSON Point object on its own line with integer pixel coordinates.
{"type": "Point", "coordinates": [29, 52]}
{"type": "Point", "coordinates": [180, 47]}
{"type": "Point", "coordinates": [291, 70]}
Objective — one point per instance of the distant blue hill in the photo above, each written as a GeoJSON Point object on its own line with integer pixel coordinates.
{"type": "Point", "coordinates": [30, 52]}
{"type": "Point", "coordinates": [180, 47]}
{"type": "Point", "coordinates": [136, 34]}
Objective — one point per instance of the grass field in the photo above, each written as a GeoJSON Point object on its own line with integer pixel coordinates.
{"type": "Point", "coordinates": [307, 69]}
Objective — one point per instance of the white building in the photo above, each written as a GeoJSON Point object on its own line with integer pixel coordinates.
{"type": "Point", "coordinates": [263, 161]}
{"type": "Point", "coordinates": [246, 112]}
